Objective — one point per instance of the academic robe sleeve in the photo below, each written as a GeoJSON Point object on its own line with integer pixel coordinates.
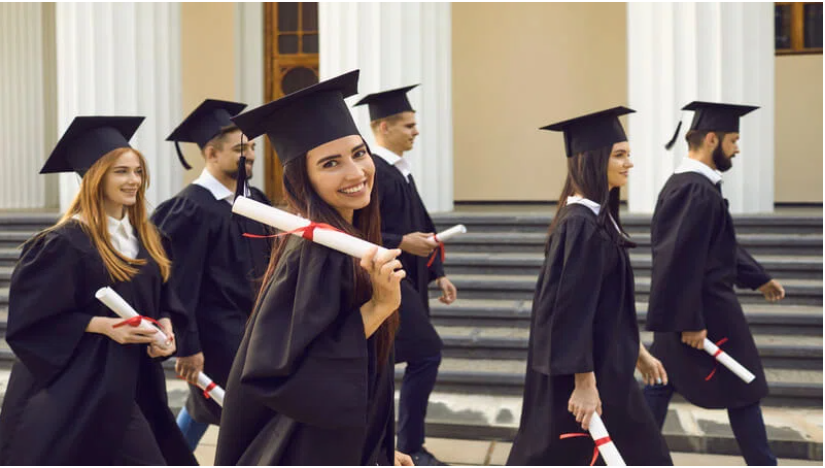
{"type": "Point", "coordinates": [749, 273]}
{"type": "Point", "coordinates": [681, 237]}
{"type": "Point", "coordinates": [436, 270]}
{"type": "Point", "coordinates": [566, 300]}
{"type": "Point", "coordinates": [185, 233]}
{"type": "Point", "coordinates": [45, 322]}
{"type": "Point", "coordinates": [307, 355]}
{"type": "Point", "coordinates": [390, 209]}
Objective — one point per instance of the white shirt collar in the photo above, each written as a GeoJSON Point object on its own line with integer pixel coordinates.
{"type": "Point", "coordinates": [122, 236]}
{"type": "Point", "coordinates": [594, 207]}
{"type": "Point", "coordinates": [218, 190]}
{"type": "Point", "coordinates": [692, 165]}
{"type": "Point", "coordinates": [400, 163]}
{"type": "Point", "coordinates": [123, 226]}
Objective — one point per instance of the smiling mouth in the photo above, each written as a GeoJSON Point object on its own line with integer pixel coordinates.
{"type": "Point", "coordinates": [354, 189]}
{"type": "Point", "coordinates": [130, 192]}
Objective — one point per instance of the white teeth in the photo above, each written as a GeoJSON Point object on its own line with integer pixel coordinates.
{"type": "Point", "coordinates": [355, 189]}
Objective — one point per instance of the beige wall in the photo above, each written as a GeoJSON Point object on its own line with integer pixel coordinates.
{"type": "Point", "coordinates": [518, 67]}
{"type": "Point", "coordinates": [208, 63]}
{"type": "Point", "coordinates": [798, 165]}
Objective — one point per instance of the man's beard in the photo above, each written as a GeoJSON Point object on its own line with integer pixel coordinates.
{"type": "Point", "coordinates": [234, 173]}
{"type": "Point", "coordinates": [722, 162]}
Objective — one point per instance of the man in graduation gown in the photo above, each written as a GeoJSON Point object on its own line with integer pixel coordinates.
{"type": "Point", "coordinates": [696, 263]}
{"type": "Point", "coordinates": [405, 224]}
{"type": "Point", "coordinates": [215, 270]}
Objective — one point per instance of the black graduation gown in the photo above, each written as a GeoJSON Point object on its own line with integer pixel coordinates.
{"type": "Point", "coordinates": [71, 393]}
{"type": "Point", "coordinates": [403, 212]}
{"type": "Point", "coordinates": [584, 320]}
{"type": "Point", "coordinates": [216, 272]}
{"type": "Point", "coordinates": [696, 262]}
{"type": "Point", "coordinates": [306, 387]}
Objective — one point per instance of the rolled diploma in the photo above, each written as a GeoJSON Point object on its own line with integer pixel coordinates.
{"type": "Point", "coordinates": [609, 451]}
{"type": "Point", "coordinates": [729, 362]}
{"type": "Point", "coordinates": [122, 308]}
{"type": "Point", "coordinates": [216, 393]}
{"type": "Point", "coordinates": [284, 221]}
{"type": "Point", "coordinates": [443, 236]}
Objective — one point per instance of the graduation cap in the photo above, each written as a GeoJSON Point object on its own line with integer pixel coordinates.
{"type": "Point", "coordinates": [387, 103]}
{"type": "Point", "coordinates": [204, 124]}
{"type": "Point", "coordinates": [305, 119]}
{"type": "Point", "coordinates": [88, 139]}
{"type": "Point", "coordinates": [713, 117]}
{"type": "Point", "coordinates": [592, 131]}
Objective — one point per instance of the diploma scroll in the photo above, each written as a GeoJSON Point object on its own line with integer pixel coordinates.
{"type": "Point", "coordinates": [114, 301]}
{"type": "Point", "coordinates": [288, 222]}
{"type": "Point", "coordinates": [210, 388]}
{"type": "Point", "coordinates": [729, 362]}
{"type": "Point", "coordinates": [445, 235]}
{"type": "Point", "coordinates": [606, 447]}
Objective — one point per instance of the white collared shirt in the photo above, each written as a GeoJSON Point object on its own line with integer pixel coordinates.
{"type": "Point", "coordinates": [692, 165]}
{"type": "Point", "coordinates": [122, 236]}
{"type": "Point", "coordinates": [218, 190]}
{"type": "Point", "coordinates": [400, 163]}
{"type": "Point", "coordinates": [594, 207]}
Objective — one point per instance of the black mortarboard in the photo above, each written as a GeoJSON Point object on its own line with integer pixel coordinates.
{"type": "Point", "coordinates": [713, 117]}
{"type": "Point", "coordinates": [88, 139]}
{"type": "Point", "coordinates": [592, 131]}
{"type": "Point", "coordinates": [204, 124]}
{"type": "Point", "coordinates": [387, 103]}
{"type": "Point", "coordinates": [305, 119]}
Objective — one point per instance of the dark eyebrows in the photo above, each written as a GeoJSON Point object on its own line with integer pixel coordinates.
{"type": "Point", "coordinates": [358, 148]}
{"type": "Point", "coordinates": [327, 158]}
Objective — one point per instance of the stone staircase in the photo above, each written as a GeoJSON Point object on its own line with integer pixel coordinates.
{"type": "Point", "coordinates": [485, 332]}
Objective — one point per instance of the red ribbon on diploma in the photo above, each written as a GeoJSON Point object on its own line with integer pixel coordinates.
{"type": "Point", "coordinates": [598, 442]}
{"type": "Point", "coordinates": [135, 321]}
{"type": "Point", "coordinates": [307, 232]}
{"type": "Point", "coordinates": [717, 353]}
{"type": "Point", "coordinates": [435, 252]}
{"type": "Point", "coordinates": [209, 389]}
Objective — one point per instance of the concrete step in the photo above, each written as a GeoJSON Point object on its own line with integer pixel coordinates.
{"type": "Point", "coordinates": [764, 318]}
{"type": "Point", "coordinates": [506, 263]}
{"type": "Point", "coordinates": [526, 242]}
{"type": "Point", "coordinates": [776, 351]}
{"type": "Point", "coordinates": [14, 239]}
{"type": "Point", "coordinates": [787, 387]}
{"type": "Point", "coordinates": [532, 220]}
{"type": "Point", "coordinates": [797, 291]}
{"type": "Point", "coordinates": [794, 432]}
{"type": "Point", "coordinates": [31, 221]}
{"type": "Point", "coordinates": [9, 256]}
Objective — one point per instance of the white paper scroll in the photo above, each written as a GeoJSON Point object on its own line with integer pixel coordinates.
{"type": "Point", "coordinates": [729, 362]}
{"type": "Point", "coordinates": [284, 221]}
{"type": "Point", "coordinates": [609, 452]}
{"type": "Point", "coordinates": [443, 236]}
{"type": "Point", "coordinates": [216, 392]}
{"type": "Point", "coordinates": [114, 301]}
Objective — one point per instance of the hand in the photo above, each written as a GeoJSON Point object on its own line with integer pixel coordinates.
{"type": "Point", "coordinates": [584, 401]}
{"type": "Point", "coordinates": [653, 372]}
{"type": "Point", "coordinates": [124, 334]}
{"type": "Point", "coordinates": [386, 275]}
{"type": "Point", "coordinates": [448, 290]}
{"type": "Point", "coordinates": [189, 367]}
{"type": "Point", "coordinates": [773, 291]}
{"type": "Point", "coordinates": [156, 351]}
{"type": "Point", "coordinates": [695, 339]}
{"type": "Point", "coordinates": [418, 243]}
{"type": "Point", "coordinates": [402, 459]}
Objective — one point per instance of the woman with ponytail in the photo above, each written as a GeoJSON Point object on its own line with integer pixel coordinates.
{"type": "Point", "coordinates": [89, 389]}
{"type": "Point", "coordinates": [312, 383]}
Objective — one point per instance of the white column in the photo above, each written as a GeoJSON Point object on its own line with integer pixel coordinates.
{"type": "Point", "coordinates": [23, 84]}
{"type": "Point", "coordinates": [394, 45]}
{"type": "Point", "coordinates": [249, 67]}
{"type": "Point", "coordinates": [683, 52]}
{"type": "Point", "coordinates": [122, 59]}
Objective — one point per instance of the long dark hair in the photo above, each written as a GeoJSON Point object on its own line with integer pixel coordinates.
{"type": "Point", "coordinates": [587, 175]}
{"type": "Point", "coordinates": [366, 224]}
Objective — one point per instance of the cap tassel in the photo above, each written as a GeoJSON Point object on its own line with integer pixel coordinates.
{"type": "Point", "coordinates": [672, 141]}
{"type": "Point", "coordinates": [240, 184]}
{"type": "Point", "coordinates": [180, 157]}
